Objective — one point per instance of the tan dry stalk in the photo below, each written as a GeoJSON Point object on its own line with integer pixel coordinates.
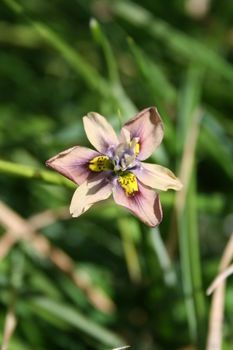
{"type": "Point", "coordinates": [9, 327]}
{"type": "Point", "coordinates": [214, 339]}
{"type": "Point", "coordinates": [19, 228]}
{"type": "Point", "coordinates": [185, 176]}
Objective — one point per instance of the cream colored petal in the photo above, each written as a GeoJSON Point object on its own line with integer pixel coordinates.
{"type": "Point", "coordinates": [88, 194]}
{"type": "Point", "coordinates": [158, 177]}
{"type": "Point", "coordinates": [99, 132]}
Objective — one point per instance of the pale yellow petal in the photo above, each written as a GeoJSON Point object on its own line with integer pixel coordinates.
{"type": "Point", "coordinates": [158, 177]}
{"type": "Point", "coordinates": [99, 132]}
{"type": "Point", "coordinates": [88, 194]}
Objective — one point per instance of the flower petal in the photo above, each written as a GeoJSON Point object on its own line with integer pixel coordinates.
{"type": "Point", "coordinates": [144, 204]}
{"type": "Point", "coordinates": [148, 128]}
{"type": "Point", "coordinates": [158, 177]}
{"type": "Point", "coordinates": [73, 163]}
{"type": "Point", "coordinates": [89, 193]}
{"type": "Point", "coordinates": [99, 132]}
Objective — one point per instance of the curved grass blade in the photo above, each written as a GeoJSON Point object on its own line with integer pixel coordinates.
{"type": "Point", "coordinates": [180, 44]}
{"type": "Point", "coordinates": [75, 319]}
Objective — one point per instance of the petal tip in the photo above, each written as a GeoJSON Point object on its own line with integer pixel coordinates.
{"type": "Point", "coordinates": [178, 184]}
{"type": "Point", "coordinates": [72, 211]}
{"type": "Point", "coordinates": [49, 163]}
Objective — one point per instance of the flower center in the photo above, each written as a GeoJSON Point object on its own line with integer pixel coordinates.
{"type": "Point", "coordinates": [119, 162]}
{"type": "Point", "coordinates": [125, 155]}
{"type": "Point", "coordinates": [128, 182]}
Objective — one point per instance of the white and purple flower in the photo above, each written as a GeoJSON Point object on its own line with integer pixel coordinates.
{"type": "Point", "coordinates": [116, 166]}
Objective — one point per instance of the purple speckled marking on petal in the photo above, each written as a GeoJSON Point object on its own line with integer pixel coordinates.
{"type": "Point", "coordinates": [73, 163]}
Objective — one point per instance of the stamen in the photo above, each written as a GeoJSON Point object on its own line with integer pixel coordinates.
{"type": "Point", "coordinates": [100, 163]}
{"type": "Point", "coordinates": [137, 148]}
{"type": "Point", "coordinates": [135, 145]}
{"type": "Point", "coordinates": [125, 155]}
{"type": "Point", "coordinates": [128, 182]}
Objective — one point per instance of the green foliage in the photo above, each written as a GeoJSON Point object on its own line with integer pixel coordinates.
{"type": "Point", "coordinates": [128, 284]}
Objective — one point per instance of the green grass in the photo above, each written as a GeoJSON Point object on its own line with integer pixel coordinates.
{"type": "Point", "coordinates": [106, 280]}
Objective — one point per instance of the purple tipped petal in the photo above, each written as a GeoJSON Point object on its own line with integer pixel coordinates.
{"type": "Point", "coordinates": [89, 193]}
{"type": "Point", "coordinates": [73, 163]}
{"type": "Point", "coordinates": [158, 177]}
{"type": "Point", "coordinates": [144, 204]}
{"type": "Point", "coordinates": [99, 132]}
{"type": "Point", "coordinates": [148, 128]}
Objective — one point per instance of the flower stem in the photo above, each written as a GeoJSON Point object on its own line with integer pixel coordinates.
{"type": "Point", "coordinates": [31, 172]}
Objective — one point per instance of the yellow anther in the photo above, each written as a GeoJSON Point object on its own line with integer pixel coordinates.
{"type": "Point", "coordinates": [137, 148]}
{"type": "Point", "coordinates": [128, 182]}
{"type": "Point", "coordinates": [100, 163]}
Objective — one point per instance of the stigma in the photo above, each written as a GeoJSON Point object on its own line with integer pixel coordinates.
{"type": "Point", "coordinates": [125, 155]}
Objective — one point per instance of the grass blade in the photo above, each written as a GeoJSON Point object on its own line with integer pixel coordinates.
{"type": "Point", "coordinates": [179, 43]}
{"type": "Point", "coordinates": [76, 319]}
{"type": "Point", "coordinates": [123, 101]}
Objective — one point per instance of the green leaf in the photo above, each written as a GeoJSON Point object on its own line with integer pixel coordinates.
{"type": "Point", "coordinates": [75, 319]}
{"type": "Point", "coordinates": [180, 45]}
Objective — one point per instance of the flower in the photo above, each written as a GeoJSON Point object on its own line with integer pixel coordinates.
{"type": "Point", "coordinates": [116, 166]}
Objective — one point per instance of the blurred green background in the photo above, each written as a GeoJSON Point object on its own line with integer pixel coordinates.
{"type": "Point", "coordinates": [105, 280]}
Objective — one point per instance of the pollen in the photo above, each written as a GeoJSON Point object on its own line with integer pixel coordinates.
{"type": "Point", "coordinates": [128, 182]}
{"type": "Point", "coordinates": [100, 163]}
{"type": "Point", "coordinates": [137, 148]}
{"type": "Point", "coordinates": [135, 145]}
